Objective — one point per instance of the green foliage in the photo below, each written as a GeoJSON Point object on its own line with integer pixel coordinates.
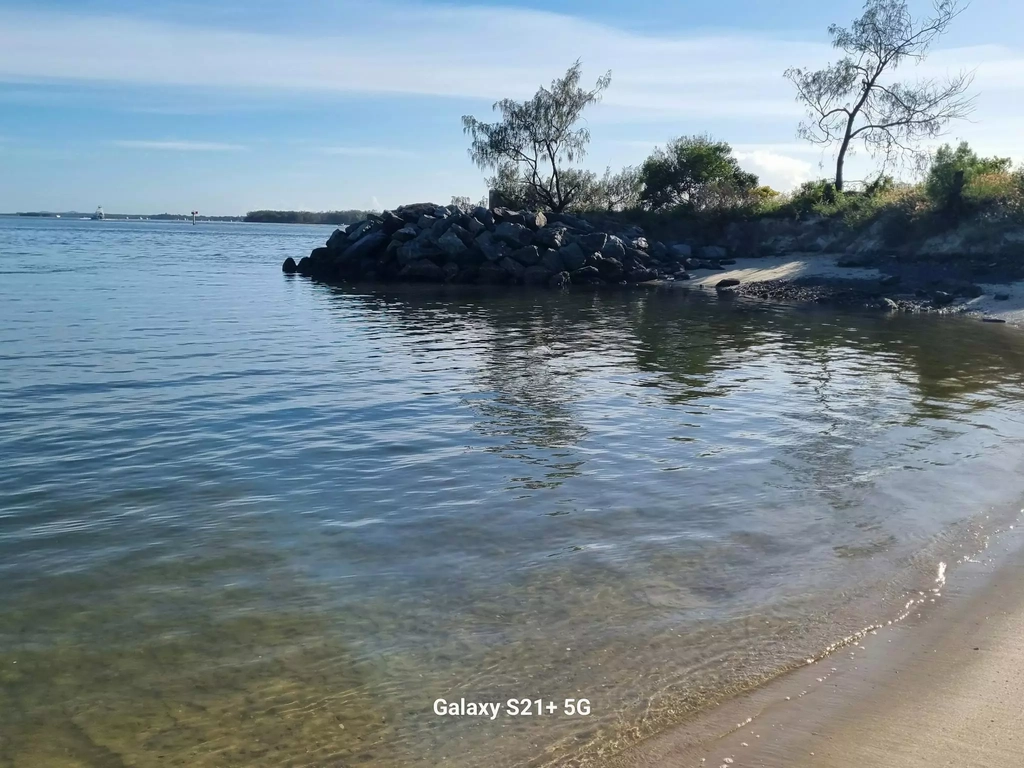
{"type": "Point", "coordinates": [694, 173]}
{"type": "Point", "coordinates": [941, 182]}
{"type": "Point", "coordinates": [530, 148]}
{"type": "Point", "coordinates": [307, 217]}
{"type": "Point", "coordinates": [611, 193]}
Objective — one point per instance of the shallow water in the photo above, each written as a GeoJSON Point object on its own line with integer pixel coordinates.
{"type": "Point", "coordinates": [250, 520]}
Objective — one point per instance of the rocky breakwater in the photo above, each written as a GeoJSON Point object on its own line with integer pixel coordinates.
{"type": "Point", "coordinates": [445, 244]}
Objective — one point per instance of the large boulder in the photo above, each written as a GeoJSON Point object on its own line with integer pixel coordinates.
{"type": "Point", "coordinates": [680, 251]}
{"type": "Point", "coordinates": [515, 235]}
{"type": "Point", "coordinates": [484, 216]}
{"type": "Point", "coordinates": [474, 226]}
{"type": "Point", "coordinates": [570, 221]}
{"type": "Point", "coordinates": [414, 250]}
{"type": "Point", "coordinates": [357, 231]}
{"type": "Point", "coordinates": [536, 275]}
{"type": "Point", "coordinates": [593, 242]}
{"type": "Point", "coordinates": [391, 223]}
{"type": "Point", "coordinates": [585, 276]}
{"type": "Point", "coordinates": [367, 246]}
{"type": "Point", "coordinates": [551, 237]}
{"type": "Point", "coordinates": [411, 213]}
{"type": "Point", "coordinates": [614, 249]}
{"type": "Point", "coordinates": [610, 269]}
{"type": "Point", "coordinates": [640, 243]}
{"type": "Point", "coordinates": [424, 270]}
{"type": "Point", "coordinates": [560, 280]}
{"type": "Point", "coordinates": [535, 220]}
{"type": "Point", "coordinates": [425, 222]}
{"type": "Point", "coordinates": [338, 241]}
{"type": "Point", "coordinates": [451, 243]}
{"type": "Point", "coordinates": [642, 275]}
{"type": "Point", "coordinates": [528, 256]}
{"type": "Point", "coordinates": [289, 267]}
{"type": "Point", "coordinates": [572, 257]}
{"type": "Point", "coordinates": [451, 271]}
{"type": "Point", "coordinates": [492, 249]}
{"type": "Point", "coordinates": [303, 267]}
{"type": "Point", "coordinates": [513, 267]}
{"type": "Point", "coordinates": [552, 261]}
{"type": "Point", "coordinates": [492, 274]}
{"type": "Point", "coordinates": [405, 234]}
{"type": "Point", "coordinates": [507, 216]}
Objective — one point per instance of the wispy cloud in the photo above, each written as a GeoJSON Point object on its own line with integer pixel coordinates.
{"type": "Point", "coordinates": [179, 146]}
{"type": "Point", "coordinates": [368, 151]}
{"type": "Point", "coordinates": [654, 77]}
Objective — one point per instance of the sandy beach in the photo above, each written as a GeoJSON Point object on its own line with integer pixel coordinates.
{"type": "Point", "coordinates": [941, 688]}
{"type": "Point", "coordinates": [795, 267]}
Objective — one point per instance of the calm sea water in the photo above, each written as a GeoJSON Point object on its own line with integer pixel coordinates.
{"type": "Point", "coordinates": [250, 520]}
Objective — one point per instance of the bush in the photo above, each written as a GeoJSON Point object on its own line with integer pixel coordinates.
{"type": "Point", "coordinates": [997, 190]}
{"type": "Point", "coordinates": [694, 173]}
{"type": "Point", "coordinates": [952, 171]}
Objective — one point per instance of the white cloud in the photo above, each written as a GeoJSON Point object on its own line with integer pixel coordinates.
{"type": "Point", "coordinates": [179, 146]}
{"type": "Point", "coordinates": [777, 170]}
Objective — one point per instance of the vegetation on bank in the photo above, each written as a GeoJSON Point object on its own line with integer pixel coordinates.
{"type": "Point", "coordinates": [336, 218]}
{"type": "Point", "coordinates": [696, 180]}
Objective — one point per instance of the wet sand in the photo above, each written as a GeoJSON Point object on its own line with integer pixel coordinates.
{"type": "Point", "coordinates": [942, 688]}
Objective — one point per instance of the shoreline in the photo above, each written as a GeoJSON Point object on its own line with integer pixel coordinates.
{"type": "Point", "coordinates": [937, 685]}
{"type": "Point", "coordinates": [821, 279]}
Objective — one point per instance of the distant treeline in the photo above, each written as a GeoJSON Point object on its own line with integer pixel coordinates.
{"type": "Point", "coordinates": [125, 216]}
{"type": "Point", "coordinates": [307, 217]}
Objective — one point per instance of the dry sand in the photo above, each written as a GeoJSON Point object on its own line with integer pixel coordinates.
{"type": "Point", "coordinates": [945, 688]}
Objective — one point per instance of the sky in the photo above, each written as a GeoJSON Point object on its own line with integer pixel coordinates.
{"type": "Point", "coordinates": [175, 106]}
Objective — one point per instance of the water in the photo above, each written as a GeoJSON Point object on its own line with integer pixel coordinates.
{"type": "Point", "coordinates": [250, 520]}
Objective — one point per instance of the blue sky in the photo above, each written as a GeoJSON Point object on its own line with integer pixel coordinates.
{"type": "Point", "coordinates": [170, 106]}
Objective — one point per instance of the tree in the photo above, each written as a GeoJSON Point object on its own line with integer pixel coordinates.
{"type": "Point", "coordinates": [854, 99]}
{"type": "Point", "coordinates": [694, 172]}
{"type": "Point", "coordinates": [528, 149]}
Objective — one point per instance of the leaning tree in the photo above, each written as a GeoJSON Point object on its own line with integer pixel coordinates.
{"type": "Point", "coordinates": [857, 101]}
{"type": "Point", "coordinates": [530, 147]}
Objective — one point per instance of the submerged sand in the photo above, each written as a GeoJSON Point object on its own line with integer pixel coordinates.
{"type": "Point", "coordinates": [942, 688]}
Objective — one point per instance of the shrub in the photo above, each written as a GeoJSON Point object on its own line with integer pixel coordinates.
{"type": "Point", "coordinates": [694, 173]}
{"type": "Point", "coordinates": [997, 190]}
{"type": "Point", "coordinates": [942, 184]}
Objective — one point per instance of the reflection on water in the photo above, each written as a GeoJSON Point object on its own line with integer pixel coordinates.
{"type": "Point", "coordinates": [247, 520]}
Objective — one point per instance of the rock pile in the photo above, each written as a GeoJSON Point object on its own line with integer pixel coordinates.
{"type": "Point", "coordinates": [430, 243]}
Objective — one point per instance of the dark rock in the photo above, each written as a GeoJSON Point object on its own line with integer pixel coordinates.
{"type": "Point", "coordinates": [492, 249]}
{"type": "Point", "coordinates": [390, 223]}
{"type": "Point", "coordinates": [553, 261]}
{"type": "Point", "coordinates": [405, 234]}
{"type": "Point", "coordinates": [682, 275]}
{"type": "Point", "coordinates": [450, 270]}
{"type": "Point", "coordinates": [570, 221]}
{"type": "Point", "coordinates": [507, 216]}
{"type": "Point", "coordinates": [890, 280]}
{"type": "Point", "coordinates": [425, 222]}
{"type": "Point", "coordinates": [422, 269]}
{"type": "Point", "coordinates": [451, 243]}
{"type": "Point", "coordinates": [641, 275]}
{"type": "Point", "coordinates": [659, 251]}
{"type": "Point", "coordinates": [411, 213]}
{"type": "Point", "coordinates": [713, 252]}
{"type": "Point", "coordinates": [942, 299]}
{"type": "Point", "coordinates": [889, 305]}
{"type": "Point", "coordinates": [474, 226]}
{"type": "Point", "coordinates": [585, 276]}
{"type": "Point", "coordinates": [972, 291]}
{"type": "Point", "coordinates": [492, 274]}
{"type": "Point", "coordinates": [992, 320]}
{"type": "Point", "coordinates": [640, 243]}
{"type": "Point", "coordinates": [289, 267]}
{"type": "Point", "coordinates": [610, 269]}
{"type": "Point", "coordinates": [516, 235]}
{"type": "Point", "coordinates": [551, 237]}
{"type": "Point", "coordinates": [594, 260]}
{"type": "Point", "coordinates": [513, 267]}
{"type": "Point", "coordinates": [322, 254]}
{"type": "Point", "coordinates": [535, 275]}
{"type": "Point", "coordinates": [723, 262]}
{"type": "Point", "coordinates": [356, 231]}
{"type": "Point", "coordinates": [613, 249]}
{"type": "Point", "coordinates": [338, 241]}
{"type": "Point", "coordinates": [681, 251]}
{"type": "Point", "coordinates": [303, 267]}
{"type": "Point", "coordinates": [560, 280]}
{"type": "Point", "coordinates": [592, 242]}
{"type": "Point", "coordinates": [535, 221]}
{"type": "Point", "coordinates": [414, 250]}
{"type": "Point", "coordinates": [440, 227]}
{"type": "Point", "coordinates": [1002, 297]}
{"type": "Point", "coordinates": [367, 246]}
{"type": "Point", "coordinates": [572, 257]}
{"type": "Point", "coordinates": [528, 256]}
{"type": "Point", "coordinates": [640, 257]}
{"type": "Point", "coordinates": [728, 284]}
{"type": "Point", "coordinates": [484, 216]}
{"type": "Point", "coordinates": [692, 263]}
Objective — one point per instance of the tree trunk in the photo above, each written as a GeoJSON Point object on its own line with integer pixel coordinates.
{"type": "Point", "coordinates": [840, 160]}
